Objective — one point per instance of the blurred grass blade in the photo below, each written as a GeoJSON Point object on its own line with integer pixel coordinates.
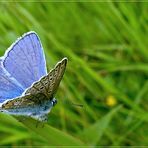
{"type": "Point", "coordinates": [12, 138]}
{"type": "Point", "coordinates": [94, 133]}
{"type": "Point", "coordinates": [51, 135]}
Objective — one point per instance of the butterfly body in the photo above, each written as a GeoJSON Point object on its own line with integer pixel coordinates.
{"type": "Point", "coordinates": [30, 110]}
{"type": "Point", "coordinates": [25, 91]}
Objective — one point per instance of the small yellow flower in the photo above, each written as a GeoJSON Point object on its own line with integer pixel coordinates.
{"type": "Point", "coordinates": [111, 101]}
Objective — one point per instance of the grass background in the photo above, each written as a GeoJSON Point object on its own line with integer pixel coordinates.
{"type": "Point", "coordinates": [106, 44]}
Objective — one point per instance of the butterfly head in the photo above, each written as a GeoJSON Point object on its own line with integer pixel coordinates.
{"type": "Point", "coordinates": [54, 102]}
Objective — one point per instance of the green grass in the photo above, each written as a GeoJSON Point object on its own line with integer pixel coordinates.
{"type": "Point", "coordinates": [107, 48]}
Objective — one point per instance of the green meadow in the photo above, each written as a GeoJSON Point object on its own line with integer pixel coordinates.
{"type": "Point", "coordinates": [106, 44]}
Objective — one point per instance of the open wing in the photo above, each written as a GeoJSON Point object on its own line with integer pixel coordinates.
{"type": "Point", "coordinates": [48, 84]}
{"type": "Point", "coordinates": [9, 87]}
{"type": "Point", "coordinates": [25, 59]}
{"type": "Point", "coordinates": [41, 90]}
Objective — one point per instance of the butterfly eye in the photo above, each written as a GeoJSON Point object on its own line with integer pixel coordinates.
{"type": "Point", "coordinates": [54, 102]}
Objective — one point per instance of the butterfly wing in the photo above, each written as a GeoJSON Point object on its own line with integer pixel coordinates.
{"type": "Point", "coordinates": [48, 84]}
{"type": "Point", "coordinates": [9, 87]}
{"type": "Point", "coordinates": [22, 102]}
{"type": "Point", "coordinates": [40, 93]}
{"type": "Point", "coordinates": [25, 59]}
{"type": "Point", "coordinates": [27, 106]}
{"type": "Point", "coordinates": [41, 90]}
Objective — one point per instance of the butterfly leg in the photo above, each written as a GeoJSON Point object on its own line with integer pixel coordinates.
{"type": "Point", "coordinates": [43, 118]}
{"type": "Point", "coordinates": [22, 119]}
{"type": "Point", "coordinates": [40, 118]}
{"type": "Point", "coordinates": [37, 123]}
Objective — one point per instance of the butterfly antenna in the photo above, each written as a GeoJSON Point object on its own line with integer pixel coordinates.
{"type": "Point", "coordinates": [73, 104]}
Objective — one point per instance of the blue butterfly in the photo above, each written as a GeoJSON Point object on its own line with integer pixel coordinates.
{"type": "Point", "coordinates": [25, 86]}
